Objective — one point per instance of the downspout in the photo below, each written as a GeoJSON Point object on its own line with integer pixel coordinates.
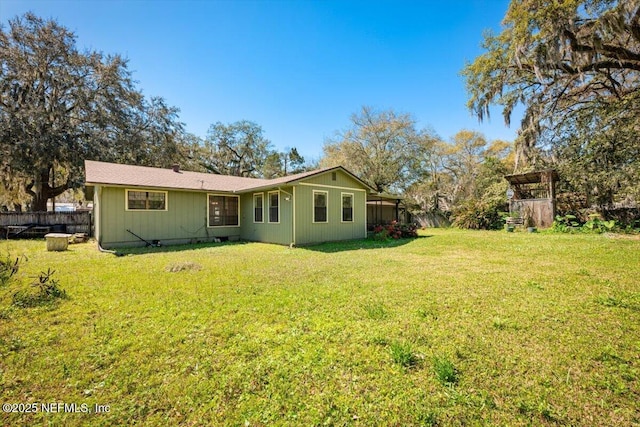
{"type": "Point", "coordinates": [97, 220]}
{"type": "Point", "coordinates": [97, 217]}
{"type": "Point", "coordinates": [293, 225]}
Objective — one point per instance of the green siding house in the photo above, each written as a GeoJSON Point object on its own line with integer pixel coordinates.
{"type": "Point", "coordinates": [172, 206]}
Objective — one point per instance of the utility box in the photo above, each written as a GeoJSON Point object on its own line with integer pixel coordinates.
{"type": "Point", "coordinates": [57, 242]}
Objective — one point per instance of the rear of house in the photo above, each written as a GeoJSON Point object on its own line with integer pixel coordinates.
{"type": "Point", "coordinates": [133, 204]}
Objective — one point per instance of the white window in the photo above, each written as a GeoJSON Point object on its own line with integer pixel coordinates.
{"type": "Point", "coordinates": [320, 206]}
{"type": "Point", "coordinates": [258, 207]}
{"type": "Point", "coordinates": [274, 206]}
{"type": "Point", "coordinates": [144, 200]}
{"type": "Point", "coordinates": [347, 207]}
{"type": "Point", "coordinates": [224, 210]}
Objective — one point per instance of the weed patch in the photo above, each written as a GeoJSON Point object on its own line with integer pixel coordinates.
{"type": "Point", "coordinates": [381, 341]}
{"type": "Point", "coordinates": [375, 310]}
{"type": "Point", "coordinates": [402, 354]}
{"type": "Point", "coordinates": [428, 419]}
{"type": "Point", "coordinates": [427, 314]}
{"type": "Point", "coordinates": [541, 410]}
{"type": "Point", "coordinates": [445, 370]}
{"type": "Point", "coordinates": [501, 323]}
{"type": "Point", "coordinates": [629, 301]}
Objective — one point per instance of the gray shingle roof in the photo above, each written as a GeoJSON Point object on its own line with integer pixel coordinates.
{"type": "Point", "coordinates": [143, 176]}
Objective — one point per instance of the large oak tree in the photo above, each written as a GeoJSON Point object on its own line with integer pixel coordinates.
{"type": "Point", "coordinates": [60, 106]}
{"type": "Point", "coordinates": [575, 66]}
{"type": "Point", "coordinates": [238, 149]}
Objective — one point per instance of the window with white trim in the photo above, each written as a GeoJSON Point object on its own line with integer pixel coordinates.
{"type": "Point", "coordinates": [146, 200]}
{"type": "Point", "coordinates": [258, 207]}
{"type": "Point", "coordinates": [224, 210]}
{"type": "Point", "coordinates": [320, 202]}
{"type": "Point", "coordinates": [347, 207]}
{"type": "Point", "coordinates": [274, 206]}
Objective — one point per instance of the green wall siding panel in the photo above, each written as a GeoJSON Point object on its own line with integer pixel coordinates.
{"type": "Point", "coordinates": [334, 229]}
{"type": "Point", "coordinates": [184, 220]}
{"type": "Point", "coordinates": [281, 233]}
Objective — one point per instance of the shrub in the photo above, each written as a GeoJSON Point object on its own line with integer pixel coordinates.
{"type": "Point", "coordinates": [380, 233]}
{"type": "Point", "coordinates": [395, 230]}
{"type": "Point", "coordinates": [478, 215]}
{"type": "Point", "coordinates": [595, 224]}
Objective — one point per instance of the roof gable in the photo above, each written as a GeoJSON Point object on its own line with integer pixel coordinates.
{"type": "Point", "coordinates": [300, 177]}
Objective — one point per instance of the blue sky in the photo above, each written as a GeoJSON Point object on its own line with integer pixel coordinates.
{"type": "Point", "coordinates": [297, 68]}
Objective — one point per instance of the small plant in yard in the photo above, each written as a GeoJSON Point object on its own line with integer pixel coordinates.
{"type": "Point", "coordinates": [403, 354]}
{"type": "Point", "coordinates": [48, 291]}
{"type": "Point", "coordinates": [500, 323]}
{"type": "Point", "coordinates": [565, 224]}
{"type": "Point", "coordinates": [445, 370]}
{"type": "Point", "coordinates": [8, 268]}
{"type": "Point", "coordinates": [596, 224]}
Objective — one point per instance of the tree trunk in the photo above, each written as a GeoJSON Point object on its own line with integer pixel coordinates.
{"type": "Point", "coordinates": [39, 200]}
{"type": "Point", "coordinates": [40, 190]}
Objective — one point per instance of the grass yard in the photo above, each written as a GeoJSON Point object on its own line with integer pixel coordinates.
{"type": "Point", "coordinates": [453, 328]}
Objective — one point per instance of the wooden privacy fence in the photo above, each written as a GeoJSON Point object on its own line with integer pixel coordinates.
{"type": "Point", "coordinates": [42, 222]}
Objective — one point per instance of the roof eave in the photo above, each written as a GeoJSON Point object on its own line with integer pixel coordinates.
{"type": "Point", "coordinates": [162, 188]}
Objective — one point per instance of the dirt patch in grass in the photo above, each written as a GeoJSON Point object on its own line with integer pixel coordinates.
{"type": "Point", "coordinates": [183, 266]}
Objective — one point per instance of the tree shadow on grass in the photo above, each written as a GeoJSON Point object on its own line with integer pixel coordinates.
{"type": "Point", "coordinates": [327, 247]}
{"type": "Point", "coordinates": [360, 244]}
{"type": "Point", "coordinates": [143, 250]}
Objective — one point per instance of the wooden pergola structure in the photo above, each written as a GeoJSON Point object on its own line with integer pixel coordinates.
{"type": "Point", "coordinates": [534, 196]}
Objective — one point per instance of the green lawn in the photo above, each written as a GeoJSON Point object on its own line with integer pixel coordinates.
{"type": "Point", "coordinates": [452, 328]}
